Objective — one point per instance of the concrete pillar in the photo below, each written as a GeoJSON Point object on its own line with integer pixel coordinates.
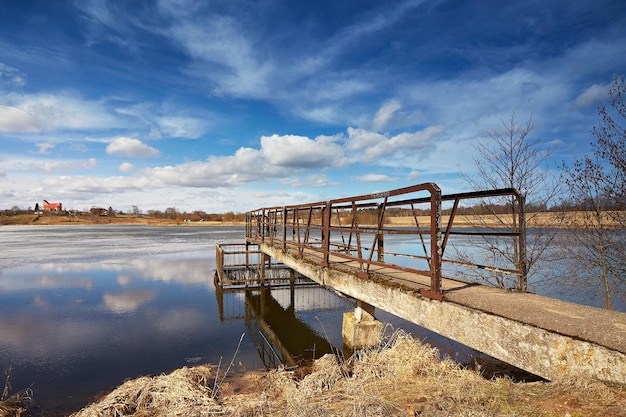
{"type": "Point", "coordinates": [360, 329]}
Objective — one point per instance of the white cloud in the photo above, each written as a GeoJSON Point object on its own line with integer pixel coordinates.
{"type": "Point", "coordinates": [374, 178]}
{"type": "Point", "coordinates": [316, 180]}
{"type": "Point", "coordinates": [44, 148]}
{"type": "Point", "coordinates": [131, 148]}
{"type": "Point", "coordinates": [11, 76]}
{"type": "Point", "coordinates": [413, 175]}
{"type": "Point", "coordinates": [13, 119]}
{"type": "Point", "coordinates": [385, 113]}
{"type": "Point", "coordinates": [53, 166]}
{"type": "Point", "coordinates": [181, 127]}
{"type": "Point", "coordinates": [301, 152]}
{"type": "Point", "coordinates": [376, 145]}
{"type": "Point", "coordinates": [593, 96]}
{"type": "Point", "coordinates": [126, 167]}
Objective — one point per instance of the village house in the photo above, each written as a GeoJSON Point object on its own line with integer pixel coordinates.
{"type": "Point", "coordinates": [56, 207]}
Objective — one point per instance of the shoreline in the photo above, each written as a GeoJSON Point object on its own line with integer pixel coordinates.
{"type": "Point", "coordinates": [401, 377]}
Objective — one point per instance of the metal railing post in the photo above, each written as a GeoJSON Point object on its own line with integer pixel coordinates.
{"type": "Point", "coordinates": [326, 233]}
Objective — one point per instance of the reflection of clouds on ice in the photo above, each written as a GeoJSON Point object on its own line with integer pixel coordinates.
{"type": "Point", "coordinates": [181, 270]}
{"type": "Point", "coordinates": [127, 301]}
{"type": "Point", "coordinates": [42, 338]}
{"type": "Point", "coordinates": [124, 280]}
{"type": "Point", "coordinates": [44, 281]}
{"type": "Point", "coordinates": [39, 301]}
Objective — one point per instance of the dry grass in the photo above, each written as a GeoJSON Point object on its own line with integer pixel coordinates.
{"type": "Point", "coordinates": [401, 378]}
{"type": "Point", "coordinates": [17, 404]}
{"type": "Point", "coordinates": [184, 392]}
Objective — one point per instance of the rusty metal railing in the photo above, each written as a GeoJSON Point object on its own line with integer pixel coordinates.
{"type": "Point", "coordinates": [353, 230]}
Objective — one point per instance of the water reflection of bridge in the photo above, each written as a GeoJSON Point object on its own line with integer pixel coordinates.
{"type": "Point", "coordinates": [269, 314]}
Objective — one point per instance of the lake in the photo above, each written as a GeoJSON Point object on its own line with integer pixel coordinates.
{"type": "Point", "coordinates": [83, 308]}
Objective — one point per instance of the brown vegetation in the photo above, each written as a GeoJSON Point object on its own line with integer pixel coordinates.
{"type": "Point", "coordinates": [66, 219]}
{"type": "Point", "coordinates": [401, 378]}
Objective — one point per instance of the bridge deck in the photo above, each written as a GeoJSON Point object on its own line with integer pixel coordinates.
{"type": "Point", "coordinates": [599, 326]}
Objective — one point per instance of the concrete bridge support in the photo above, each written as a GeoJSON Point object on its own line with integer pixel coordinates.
{"type": "Point", "coordinates": [360, 329]}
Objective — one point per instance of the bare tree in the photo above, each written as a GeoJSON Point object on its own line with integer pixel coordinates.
{"type": "Point", "coordinates": [597, 185]}
{"type": "Point", "coordinates": [509, 158]}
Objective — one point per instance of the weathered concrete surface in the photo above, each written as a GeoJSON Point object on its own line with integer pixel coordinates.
{"type": "Point", "coordinates": [359, 334]}
{"type": "Point", "coordinates": [547, 337]}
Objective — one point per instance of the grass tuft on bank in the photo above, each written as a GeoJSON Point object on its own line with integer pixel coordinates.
{"type": "Point", "coordinates": [403, 377]}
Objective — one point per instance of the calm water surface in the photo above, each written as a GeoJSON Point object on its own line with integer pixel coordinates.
{"type": "Point", "coordinates": [83, 308]}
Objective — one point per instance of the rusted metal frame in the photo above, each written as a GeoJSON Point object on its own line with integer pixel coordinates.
{"type": "Point", "coordinates": [417, 226]}
{"type": "Point", "coordinates": [263, 225]}
{"type": "Point", "coordinates": [485, 267]}
{"type": "Point", "coordinates": [470, 233]}
{"type": "Point", "coordinates": [219, 262]}
{"type": "Point", "coordinates": [518, 234]}
{"type": "Point", "coordinates": [326, 215]}
{"type": "Point", "coordinates": [522, 282]}
{"type": "Point", "coordinates": [398, 191]}
{"type": "Point", "coordinates": [296, 216]}
{"type": "Point", "coordinates": [435, 243]}
{"type": "Point", "coordinates": [357, 235]}
{"type": "Point", "coordinates": [449, 226]}
{"type": "Point", "coordinates": [343, 240]}
{"type": "Point", "coordinates": [284, 229]}
{"type": "Point", "coordinates": [379, 225]}
{"type": "Point", "coordinates": [383, 264]}
{"type": "Point", "coordinates": [472, 194]}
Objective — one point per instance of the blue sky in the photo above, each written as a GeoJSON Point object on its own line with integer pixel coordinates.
{"type": "Point", "coordinates": [234, 105]}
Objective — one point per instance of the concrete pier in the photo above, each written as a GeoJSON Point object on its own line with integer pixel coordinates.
{"type": "Point", "coordinates": [360, 329]}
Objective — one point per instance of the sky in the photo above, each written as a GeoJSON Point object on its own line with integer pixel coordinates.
{"type": "Point", "coordinates": [234, 105]}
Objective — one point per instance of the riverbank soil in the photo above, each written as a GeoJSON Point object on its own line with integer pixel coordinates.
{"type": "Point", "coordinates": [401, 378]}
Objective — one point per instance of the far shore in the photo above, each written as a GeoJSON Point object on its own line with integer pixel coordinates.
{"type": "Point", "coordinates": [533, 220]}
{"type": "Point", "coordinates": [123, 219]}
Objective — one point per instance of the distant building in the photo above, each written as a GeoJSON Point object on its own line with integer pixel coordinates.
{"type": "Point", "coordinates": [98, 211]}
{"type": "Point", "coordinates": [56, 207]}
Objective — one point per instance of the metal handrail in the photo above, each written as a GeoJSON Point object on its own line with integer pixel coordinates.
{"type": "Point", "coordinates": [322, 228]}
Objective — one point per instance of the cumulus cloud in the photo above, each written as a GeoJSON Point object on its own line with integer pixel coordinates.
{"type": "Point", "coordinates": [301, 152]}
{"type": "Point", "coordinates": [375, 145]}
{"type": "Point", "coordinates": [13, 119]}
{"type": "Point", "coordinates": [246, 165]}
{"type": "Point", "coordinates": [126, 167]}
{"type": "Point", "coordinates": [131, 148]}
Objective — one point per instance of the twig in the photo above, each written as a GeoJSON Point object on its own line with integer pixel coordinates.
{"type": "Point", "coordinates": [230, 365]}
{"type": "Point", "coordinates": [7, 384]}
